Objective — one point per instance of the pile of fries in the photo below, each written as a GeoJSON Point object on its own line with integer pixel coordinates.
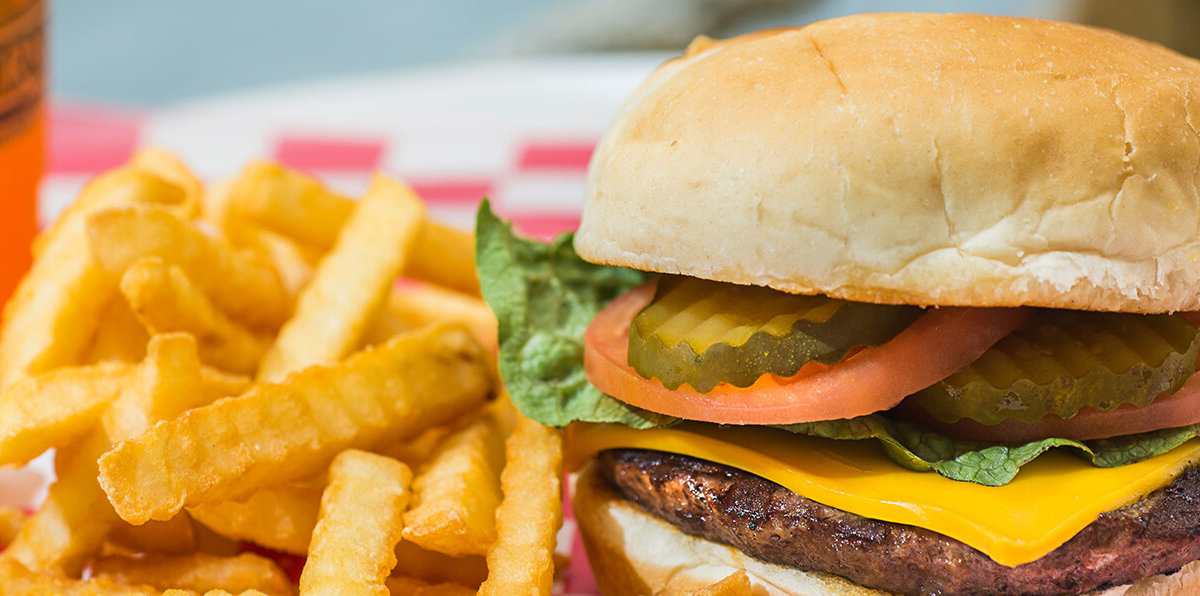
{"type": "Point", "coordinates": [243, 399]}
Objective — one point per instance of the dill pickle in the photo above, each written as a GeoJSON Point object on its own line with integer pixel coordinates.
{"type": "Point", "coordinates": [702, 333]}
{"type": "Point", "coordinates": [1060, 361]}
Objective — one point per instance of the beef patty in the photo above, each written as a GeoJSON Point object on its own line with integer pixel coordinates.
{"type": "Point", "coordinates": [1158, 534]}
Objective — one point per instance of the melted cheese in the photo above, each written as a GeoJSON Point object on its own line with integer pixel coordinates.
{"type": "Point", "coordinates": [1050, 500]}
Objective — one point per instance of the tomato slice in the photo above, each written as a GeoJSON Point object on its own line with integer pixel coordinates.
{"type": "Point", "coordinates": [1166, 411]}
{"type": "Point", "coordinates": [936, 345]}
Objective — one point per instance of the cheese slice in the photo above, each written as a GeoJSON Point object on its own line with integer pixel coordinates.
{"type": "Point", "coordinates": [1050, 500]}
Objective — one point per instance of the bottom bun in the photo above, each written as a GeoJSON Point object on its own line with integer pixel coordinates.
{"type": "Point", "coordinates": [632, 552]}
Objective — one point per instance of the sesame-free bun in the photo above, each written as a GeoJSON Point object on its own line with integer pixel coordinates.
{"type": "Point", "coordinates": [913, 158]}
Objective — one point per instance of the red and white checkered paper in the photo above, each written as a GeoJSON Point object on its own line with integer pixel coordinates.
{"type": "Point", "coordinates": [520, 133]}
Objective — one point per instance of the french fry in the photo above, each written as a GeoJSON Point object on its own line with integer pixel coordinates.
{"type": "Point", "coordinates": [119, 336]}
{"type": "Point", "coordinates": [126, 185]}
{"type": "Point", "coordinates": [175, 536]}
{"type": "Point", "coordinates": [359, 525]}
{"type": "Point", "coordinates": [55, 408]}
{"type": "Point", "coordinates": [421, 305]}
{"type": "Point", "coordinates": [278, 517]}
{"type": "Point", "coordinates": [291, 203]}
{"type": "Point", "coordinates": [458, 490]}
{"type": "Point", "coordinates": [218, 383]}
{"type": "Point", "coordinates": [446, 258]}
{"type": "Point", "coordinates": [407, 586]}
{"type": "Point", "coordinates": [395, 391]}
{"type": "Point", "coordinates": [435, 568]}
{"type": "Point", "coordinates": [51, 317]}
{"type": "Point", "coordinates": [228, 277]}
{"type": "Point", "coordinates": [16, 579]}
{"type": "Point", "coordinates": [165, 300]}
{"type": "Point", "coordinates": [302, 208]}
{"type": "Point", "coordinates": [735, 584]}
{"type": "Point", "coordinates": [198, 572]}
{"type": "Point", "coordinates": [72, 523]}
{"type": "Point", "coordinates": [11, 519]}
{"type": "Point", "coordinates": [170, 167]}
{"type": "Point", "coordinates": [527, 521]}
{"type": "Point", "coordinates": [351, 281]}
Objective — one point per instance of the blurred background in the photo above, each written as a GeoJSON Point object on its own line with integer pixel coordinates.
{"type": "Point", "coordinates": [151, 52]}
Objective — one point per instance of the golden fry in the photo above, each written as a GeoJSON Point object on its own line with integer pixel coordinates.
{"type": "Point", "coordinates": [353, 279]}
{"type": "Point", "coordinates": [416, 306]}
{"type": "Point", "coordinates": [11, 519]}
{"type": "Point", "coordinates": [458, 490]}
{"type": "Point", "coordinates": [16, 579]}
{"type": "Point", "coordinates": [241, 285]}
{"type": "Point", "coordinates": [290, 203]}
{"type": "Point", "coordinates": [119, 336]}
{"type": "Point", "coordinates": [71, 525]}
{"type": "Point", "coordinates": [165, 300]}
{"type": "Point", "coordinates": [302, 208]}
{"type": "Point", "coordinates": [527, 522]}
{"type": "Point", "coordinates": [407, 586]}
{"type": "Point", "coordinates": [171, 168]}
{"type": "Point", "coordinates": [428, 566]}
{"type": "Point", "coordinates": [199, 572]}
{"type": "Point", "coordinates": [174, 536]}
{"type": "Point", "coordinates": [55, 408]}
{"type": "Point", "coordinates": [445, 256]}
{"type": "Point", "coordinates": [51, 317]}
{"type": "Point", "coordinates": [415, 381]}
{"type": "Point", "coordinates": [359, 525]}
{"type": "Point", "coordinates": [278, 517]}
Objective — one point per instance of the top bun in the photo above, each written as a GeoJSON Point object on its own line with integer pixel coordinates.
{"type": "Point", "coordinates": [913, 158]}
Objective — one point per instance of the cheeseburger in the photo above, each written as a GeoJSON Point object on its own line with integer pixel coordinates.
{"type": "Point", "coordinates": [892, 303]}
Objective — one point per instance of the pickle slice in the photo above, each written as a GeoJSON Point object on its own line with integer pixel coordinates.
{"type": "Point", "coordinates": [1061, 361]}
{"type": "Point", "coordinates": [702, 333]}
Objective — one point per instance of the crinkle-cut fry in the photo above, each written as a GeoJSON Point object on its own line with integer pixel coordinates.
{"type": "Point", "coordinates": [276, 433]}
{"type": "Point", "coordinates": [301, 208]}
{"type": "Point", "coordinates": [56, 408]}
{"type": "Point", "coordinates": [119, 336]}
{"type": "Point", "coordinates": [171, 167]}
{"type": "Point", "coordinates": [409, 586]}
{"type": "Point", "coordinates": [277, 517]}
{"type": "Point", "coordinates": [126, 185]}
{"type": "Point", "coordinates": [527, 521]}
{"type": "Point", "coordinates": [445, 256]}
{"type": "Point", "coordinates": [199, 572]}
{"type": "Point", "coordinates": [291, 203]}
{"type": "Point", "coordinates": [218, 383]}
{"type": "Point", "coordinates": [457, 491]}
{"type": "Point", "coordinates": [11, 519]}
{"type": "Point", "coordinates": [174, 536]}
{"type": "Point", "coordinates": [735, 584]}
{"type": "Point", "coordinates": [435, 568]}
{"type": "Point", "coordinates": [180, 592]}
{"type": "Point", "coordinates": [358, 527]}
{"type": "Point", "coordinates": [165, 300]}
{"type": "Point", "coordinates": [240, 283]}
{"type": "Point", "coordinates": [420, 305]}
{"type": "Point", "coordinates": [73, 521]}
{"type": "Point", "coordinates": [51, 317]}
{"type": "Point", "coordinates": [16, 579]}
{"type": "Point", "coordinates": [350, 282]}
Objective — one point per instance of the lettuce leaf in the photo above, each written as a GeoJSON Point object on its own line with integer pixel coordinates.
{"type": "Point", "coordinates": [544, 296]}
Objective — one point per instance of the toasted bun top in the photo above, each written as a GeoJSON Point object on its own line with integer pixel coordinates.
{"type": "Point", "coordinates": [913, 158]}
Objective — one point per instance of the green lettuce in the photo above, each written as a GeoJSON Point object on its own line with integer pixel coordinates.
{"type": "Point", "coordinates": [544, 296]}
